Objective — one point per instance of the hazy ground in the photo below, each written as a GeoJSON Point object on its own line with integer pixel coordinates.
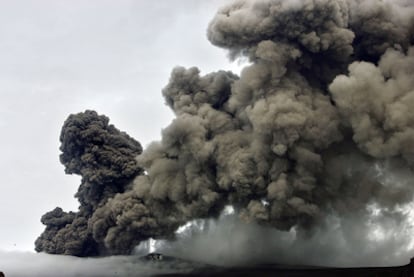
{"type": "Point", "coordinates": [39, 264]}
{"type": "Point", "coordinates": [32, 264]}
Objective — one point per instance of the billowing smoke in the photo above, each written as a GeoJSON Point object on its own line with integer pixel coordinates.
{"type": "Point", "coordinates": [105, 158]}
{"type": "Point", "coordinates": [318, 128]}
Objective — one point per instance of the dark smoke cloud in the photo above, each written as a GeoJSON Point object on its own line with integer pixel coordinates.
{"type": "Point", "coordinates": [100, 153]}
{"type": "Point", "coordinates": [105, 158]}
{"type": "Point", "coordinates": [308, 132]}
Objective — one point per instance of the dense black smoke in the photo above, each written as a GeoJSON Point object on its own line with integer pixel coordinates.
{"type": "Point", "coordinates": [105, 158]}
{"type": "Point", "coordinates": [308, 132]}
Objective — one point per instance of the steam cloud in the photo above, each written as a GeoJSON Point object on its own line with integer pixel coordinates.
{"type": "Point", "coordinates": [310, 131]}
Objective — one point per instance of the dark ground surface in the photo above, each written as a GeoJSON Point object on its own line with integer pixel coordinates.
{"type": "Point", "coordinates": [269, 271]}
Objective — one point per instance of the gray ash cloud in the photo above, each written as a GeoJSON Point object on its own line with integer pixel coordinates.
{"type": "Point", "coordinates": [308, 131]}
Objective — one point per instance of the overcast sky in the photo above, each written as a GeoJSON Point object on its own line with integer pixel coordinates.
{"type": "Point", "coordinates": [59, 57]}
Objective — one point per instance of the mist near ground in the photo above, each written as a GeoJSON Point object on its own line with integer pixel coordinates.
{"type": "Point", "coordinates": [342, 242]}
{"type": "Point", "coordinates": [228, 241]}
{"type": "Point", "coordinates": [19, 264]}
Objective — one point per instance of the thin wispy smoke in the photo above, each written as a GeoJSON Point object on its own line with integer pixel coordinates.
{"type": "Point", "coordinates": [315, 137]}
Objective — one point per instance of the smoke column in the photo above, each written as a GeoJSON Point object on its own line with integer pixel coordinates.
{"type": "Point", "coordinates": [316, 132]}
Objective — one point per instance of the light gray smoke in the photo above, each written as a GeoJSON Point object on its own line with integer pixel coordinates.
{"type": "Point", "coordinates": [308, 132]}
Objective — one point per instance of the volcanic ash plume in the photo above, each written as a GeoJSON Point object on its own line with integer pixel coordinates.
{"type": "Point", "coordinates": [319, 126]}
{"type": "Point", "coordinates": [105, 158]}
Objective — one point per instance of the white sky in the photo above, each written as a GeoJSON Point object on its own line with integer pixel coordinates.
{"type": "Point", "coordinates": [59, 57]}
